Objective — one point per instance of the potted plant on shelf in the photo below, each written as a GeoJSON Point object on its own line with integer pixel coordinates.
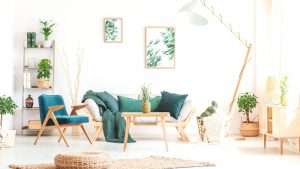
{"type": "Point", "coordinates": [246, 103]}
{"type": "Point", "coordinates": [44, 73]}
{"type": "Point", "coordinates": [146, 107]}
{"type": "Point", "coordinates": [284, 88]}
{"type": "Point", "coordinates": [47, 30]}
{"type": "Point", "coordinates": [7, 106]}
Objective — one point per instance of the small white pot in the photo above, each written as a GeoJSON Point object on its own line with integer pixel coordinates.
{"type": "Point", "coordinates": [47, 43]}
{"type": "Point", "coordinates": [8, 137]}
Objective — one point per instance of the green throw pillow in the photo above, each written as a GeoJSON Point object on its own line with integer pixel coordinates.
{"type": "Point", "coordinates": [110, 102]}
{"type": "Point", "coordinates": [133, 105]}
{"type": "Point", "coordinates": [171, 102]}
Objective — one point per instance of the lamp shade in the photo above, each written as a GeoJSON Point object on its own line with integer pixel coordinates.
{"type": "Point", "coordinates": [192, 13]}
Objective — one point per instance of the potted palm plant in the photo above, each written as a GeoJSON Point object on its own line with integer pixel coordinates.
{"type": "Point", "coordinates": [146, 107]}
{"type": "Point", "coordinates": [47, 30]}
{"type": "Point", "coordinates": [44, 73]}
{"type": "Point", "coordinates": [7, 106]}
{"type": "Point", "coordinates": [246, 103]}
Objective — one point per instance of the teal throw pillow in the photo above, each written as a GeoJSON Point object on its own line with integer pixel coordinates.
{"type": "Point", "coordinates": [110, 102]}
{"type": "Point", "coordinates": [133, 105]}
{"type": "Point", "coordinates": [171, 102]}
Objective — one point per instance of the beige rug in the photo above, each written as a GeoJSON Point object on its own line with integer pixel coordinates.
{"type": "Point", "coordinates": [152, 162]}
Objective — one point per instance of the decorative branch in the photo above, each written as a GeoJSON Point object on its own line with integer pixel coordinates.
{"type": "Point", "coordinates": [73, 85]}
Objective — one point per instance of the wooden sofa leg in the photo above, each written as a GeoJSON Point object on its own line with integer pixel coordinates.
{"type": "Point", "coordinates": [182, 134]}
{"type": "Point", "coordinates": [97, 133]}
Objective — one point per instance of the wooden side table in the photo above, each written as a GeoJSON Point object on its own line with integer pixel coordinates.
{"type": "Point", "coordinates": [281, 122]}
{"type": "Point", "coordinates": [130, 115]}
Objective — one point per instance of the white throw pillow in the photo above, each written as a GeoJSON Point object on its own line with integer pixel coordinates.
{"type": "Point", "coordinates": [187, 107]}
{"type": "Point", "coordinates": [94, 109]}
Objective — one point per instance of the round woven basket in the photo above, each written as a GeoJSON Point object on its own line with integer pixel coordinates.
{"type": "Point", "coordinates": [83, 160]}
{"type": "Point", "coordinates": [249, 129]}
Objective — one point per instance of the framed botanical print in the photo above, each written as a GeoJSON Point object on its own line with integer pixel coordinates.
{"type": "Point", "coordinates": [160, 47]}
{"type": "Point", "coordinates": [113, 30]}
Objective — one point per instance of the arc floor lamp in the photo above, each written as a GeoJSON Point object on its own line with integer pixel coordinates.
{"type": "Point", "coordinates": [192, 13]}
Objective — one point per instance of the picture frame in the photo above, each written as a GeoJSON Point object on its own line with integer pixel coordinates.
{"type": "Point", "coordinates": [159, 47]}
{"type": "Point", "coordinates": [113, 30]}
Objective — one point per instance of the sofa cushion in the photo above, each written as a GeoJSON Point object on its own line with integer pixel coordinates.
{"type": "Point", "coordinates": [129, 95]}
{"type": "Point", "coordinates": [171, 102]}
{"type": "Point", "coordinates": [151, 120]}
{"type": "Point", "coordinates": [109, 100]}
{"type": "Point", "coordinates": [69, 120]}
{"type": "Point", "coordinates": [133, 105]}
{"type": "Point", "coordinates": [94, 109]}
{"type": "Point", "coordinates": [187, 107]}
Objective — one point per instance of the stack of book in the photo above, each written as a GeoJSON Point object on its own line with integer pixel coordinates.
{"type": "Point", "coordinates": [31, 39]}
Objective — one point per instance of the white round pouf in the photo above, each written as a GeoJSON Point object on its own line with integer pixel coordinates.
{"type": "Point", "coordinates": [82, 160]}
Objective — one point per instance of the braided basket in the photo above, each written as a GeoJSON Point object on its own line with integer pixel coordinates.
{"type": "Point", "coordinates": [82, 160]}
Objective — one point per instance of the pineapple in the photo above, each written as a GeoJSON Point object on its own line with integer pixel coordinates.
{"type": "Point", "coordinates": [146, 108]}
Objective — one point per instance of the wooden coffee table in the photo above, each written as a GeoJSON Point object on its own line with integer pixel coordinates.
{"type": "Point", "coordinates": [130, 115]}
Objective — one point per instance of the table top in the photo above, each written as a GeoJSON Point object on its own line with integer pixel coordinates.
{"type": "Point", "coordinates": [140, 114]}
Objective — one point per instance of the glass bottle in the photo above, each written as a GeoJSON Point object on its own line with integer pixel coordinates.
{"type": "Point", "coordinates": [29, 102]}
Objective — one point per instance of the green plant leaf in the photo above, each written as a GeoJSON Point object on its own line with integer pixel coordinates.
{"type": "Point", "coordinates": [44, 69]}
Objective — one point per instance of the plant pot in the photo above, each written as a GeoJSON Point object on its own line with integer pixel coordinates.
{"type": "Point", "coordinates": [43, 83]}
{"type": "Point", "coordinates": [8, 137]}
{"type": "Point", "coordinates": [47, 43]}
{"type": "Point", "coordinates": [250, 129]}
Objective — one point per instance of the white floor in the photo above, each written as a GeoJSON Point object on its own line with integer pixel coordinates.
{"type": "Point", "coordinates": [229, 154]}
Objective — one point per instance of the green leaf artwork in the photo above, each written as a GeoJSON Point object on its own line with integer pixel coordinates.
{"type": "Point", "coordinates": [160, 47]}
{"type": "Point", "coordinates": [113, 30]}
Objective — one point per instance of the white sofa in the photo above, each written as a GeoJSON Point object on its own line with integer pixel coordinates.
{"type": "Point", "coordinates": [184, 118]}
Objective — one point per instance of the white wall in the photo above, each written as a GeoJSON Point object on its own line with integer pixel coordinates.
{"type": "Point", "coordinates": [208, 59]}
{"type": "Point", "coordinates": [6, 55]}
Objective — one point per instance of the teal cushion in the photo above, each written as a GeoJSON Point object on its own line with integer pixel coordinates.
{"type": "Point", "coordinates": [69, 120]}
{"type": "Point", "coordinates": [133, 105]}
{"type": "Point", "coordinates": [110, 102]}
{"type": "Point", "coordinates": [171, 102]}
{"type": "Point", "coordinates": [45, 101]}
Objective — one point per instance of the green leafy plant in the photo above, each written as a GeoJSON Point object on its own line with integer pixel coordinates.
{"type": "Point", "coordinates": [209, 111]}
{"type": "Point", "coordinates": [246, 103]}
{"type": "Point", "coordinates": [146, 92]}
{"type": "Point", "coordinates": [7, 106]}
{"type": "Point", "coordinates": [44, 69]}
{"type": "Point", "coordinates": [284, 84]}
{"type": "Point", "coordinates": [169, 41]}
{"type": "Point", "coordinates": [153, 54]}
{"type": "Point", "coordinates": [111, 31]}
{"type": "Point", "coordinates": [47, 29]}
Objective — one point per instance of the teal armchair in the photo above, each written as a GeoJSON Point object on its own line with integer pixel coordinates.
{"type": "Point", "coordinates": [53, 114]}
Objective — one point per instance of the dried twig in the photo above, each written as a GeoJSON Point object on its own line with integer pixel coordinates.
{"type": "Point", "coordinates": [73, 85]}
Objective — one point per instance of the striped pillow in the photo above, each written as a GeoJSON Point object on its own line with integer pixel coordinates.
{"type": "Point", "coordinates": [171, 102]}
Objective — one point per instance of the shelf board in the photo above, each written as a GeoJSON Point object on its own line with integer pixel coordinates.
{"type": "Point", "coordinates": [33, 108]}
{"type": "Point", "coordinates": [38, 48]}
{"type": "Point", "coordinates": [26, 67]}
{"type": "Point", "coordinates": [36, 88]}
{"type": "Point", "coordinates": [25, 128]}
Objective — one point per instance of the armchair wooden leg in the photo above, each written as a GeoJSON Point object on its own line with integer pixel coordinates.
{"type": "Point", "coordinates": [59, 129]}
{"type": "Point", "coordinates": [42, 128]}
{"type": "Point", "coordinates": [83, 128]}
{"type": "Point", "coordinates": [182, 134]}
{"type": "Point", "coordinates": [97, 133]}
{"type": "Point", "coordinates": [64, 130]}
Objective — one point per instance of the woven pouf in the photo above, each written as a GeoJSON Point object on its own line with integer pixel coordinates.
{"type": "Point", "coordinates": [82, 160]}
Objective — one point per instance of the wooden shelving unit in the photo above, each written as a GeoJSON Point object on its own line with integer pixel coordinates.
{"type": "Point", "coordinates": [35, 54]}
